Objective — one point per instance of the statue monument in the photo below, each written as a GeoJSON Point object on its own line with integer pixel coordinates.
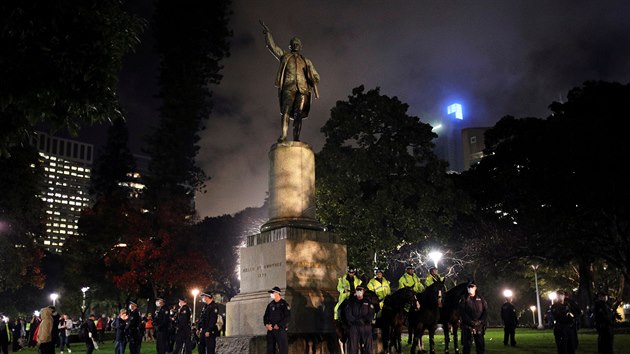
{"type": "Point", "coordinates": [296, 81]}
{"type": "Point", "coordinates": [293, 250]}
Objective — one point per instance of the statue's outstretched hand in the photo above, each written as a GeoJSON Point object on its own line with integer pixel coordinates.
{"type": "Point", "coordinates": [265, 28]}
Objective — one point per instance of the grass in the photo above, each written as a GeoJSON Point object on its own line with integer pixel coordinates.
{"type": "Point", "coordinates": [531, 341]}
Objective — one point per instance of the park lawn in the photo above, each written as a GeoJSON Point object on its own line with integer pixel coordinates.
{"type": "Point", "coordinates": [528, 341]}
{"type": "Point", "coordinates": [532, 341]}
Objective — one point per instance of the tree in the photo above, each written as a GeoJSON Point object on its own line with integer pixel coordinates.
{"type": "Point", "coordinates": [191, 43]}
{"type": "Point", "coordinates": [379, 184]}
{"type": "Point", "coordinates": [551, 185]}
{"type": "Point", "coordinates": [21, 219]}
{"type": "Point", "coordinates": [60, 63]}
{"type": "Point", "coordinates": [111, 170]}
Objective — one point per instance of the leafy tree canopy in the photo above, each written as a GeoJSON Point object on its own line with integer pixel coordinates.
{"type": "Point", "coordinates": [59, 63]}
{"type": "Point", "coordinates": [379, 183]}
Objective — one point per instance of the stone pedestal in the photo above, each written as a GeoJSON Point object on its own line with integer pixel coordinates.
{"type": "Point", "coordinates": [293, 252]}
{"type": "Point", "coordinates": [291, 186]}
{"type": "Point", "coordinates": [304, 263]}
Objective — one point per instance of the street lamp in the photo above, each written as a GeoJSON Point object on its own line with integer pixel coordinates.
{"type": "Point", "coordinates": [435, 257]}
{"type": "Point", "coordinates": [507, 293]}
{"type": "Point", "coordinates": [54, 297]}
{"type": "Point", "coordinates": [533, 309]}
{"type": "Point", "coordinates": [194, 292]}
{"type": "Point", "coordinates": [553, 296]}
{"type": "Point", "coordinates": [535, 268]}
{"type": "Point", "coordinates": [83, 290]}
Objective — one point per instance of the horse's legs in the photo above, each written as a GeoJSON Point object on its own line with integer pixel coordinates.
{"type": "Point", "coordinates": [447, 336]}
{"type": "Point", "coordinates": [432, 340]}
{"type": "Point", "coordinates": [455, 340]}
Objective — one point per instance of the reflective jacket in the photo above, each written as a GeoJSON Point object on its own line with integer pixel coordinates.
{"type": "Point", "coordinates": [410, 281]}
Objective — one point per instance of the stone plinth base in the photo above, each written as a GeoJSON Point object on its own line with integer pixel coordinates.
{"type": "Point", "coordinates": [298, 344]}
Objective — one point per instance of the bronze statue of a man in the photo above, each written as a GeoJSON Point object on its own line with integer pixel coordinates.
{"type": "Point", "coordinates": [296, 81]}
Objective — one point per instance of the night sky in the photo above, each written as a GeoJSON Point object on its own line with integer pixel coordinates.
{"type": "Point", "coordinates": [497, 58]}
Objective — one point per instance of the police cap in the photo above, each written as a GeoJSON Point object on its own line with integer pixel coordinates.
{"type": "Point", "coordinates": [275, 289]}
{"type": "Point", "coordinates": [207, 293]}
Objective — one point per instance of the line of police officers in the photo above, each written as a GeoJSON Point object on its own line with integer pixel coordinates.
{"type": "Point", "coordinates": [131, 328]}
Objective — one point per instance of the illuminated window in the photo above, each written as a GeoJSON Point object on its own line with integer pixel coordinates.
{"type": "Point", "coordinates": [457, 109]}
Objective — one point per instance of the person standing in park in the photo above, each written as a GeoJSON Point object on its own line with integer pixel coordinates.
{"type": "Point", "coordinates": [45, 340]}
{"type": "Point", "coordinates": [473, 310]}
{"type": "Point", "coordinates": [359, 313]}
{"type": "Point", "coordinates": [134, 329]}
{"type": "Point", "coordinates": [161, 325]}
{"type": "Point", "coordinates": [208, 331]}
{"type": "Point", "coordinates": [276, 321]}
{"type": "Point", "coordinates": [92, 333]}
{"type": "Point", "coordinates": [5, 334]}
{"type": "Point", "coordinates": [183, 327]}
{"type": "Point", "coordinates": [604, 318]}
{"type": "Point", "coordinates": [296, 80]}
{"type": "Point", "coordinates": [563, 325]}
{"type": "Point", "coordinates": [346, 286]}
{"type": "Point", "coordinates": [510, 321]}
{"type": "Point", "coordinates": [65, 329]}
{"type": "Point", "coordinates": [119, 326]}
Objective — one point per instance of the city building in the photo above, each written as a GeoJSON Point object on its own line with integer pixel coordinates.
{"type": "Point", "coordinates": [65, 191]}
{"type": "Point", "coordinates": [473, 143]}
{"type": "Point", "coordinates": [448, 145]}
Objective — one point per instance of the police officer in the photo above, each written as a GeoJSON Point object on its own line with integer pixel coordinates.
{"type": "Point", "coordinates": [161, 324]}
{"type": "Point", "coordinates": [410, 280]}
{"type": "Point", "coordinates": [276, 321]}
{"type": "Point", "coordinates": [510, 321]}
{"type": "Point", "coordinates": [433, 277]}
{"type": "Point", "coordinates": [604, 318]}
{"type": "Point", "coordinates": [346, 286]}
{"type": "Point", "coordinates": [563, 324]}
{"type": "Point", "coordinates": [182, 327]}
{"type": "Point", "coordinates": [133, 328]}
{"type": "Point", "coordinates": [208, 331]}
{"type": "Point", "coordinates": [473, 310]}
{"type": "Point", "coordinates": [380, 286]}
{"type": "Point", "coordinates": [359, 313]}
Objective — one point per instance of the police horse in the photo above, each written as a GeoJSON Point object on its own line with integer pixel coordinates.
{"type": "Point", "coordinates": [341, 325]}
{"type": "Point", "coordinates": [450, 314]}
{"type": "Point", "coordinates": [428, 316]}
{"type": "Point", "coordinates": [393, 318]}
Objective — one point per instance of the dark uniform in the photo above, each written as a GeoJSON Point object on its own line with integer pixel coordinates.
{"type": "Point", "coordinates": [161, 324]}
{"type": "Point", "coordinates": [604, 318]}
{"type": "Point", "coordinates": [5, 335]}
{"type": "Point", "coordinates": [277, 314]}
{"type": "Point", "coordinates": [183, 332]}
{"type": "Point", "coordinates": [208, 330]}
{"type": "Point", "coordinates": [563, 326]}
{"type": "Point", "coordinates": [133, 331]}
{"type": "Point", "coordinates": [89, 340]}
{"type": "Point", "coordinates": [473, 311]}
{"type": "Point", "coordinates": [510, 321]}
{"type": "Point", "coordinates": [359, 314]}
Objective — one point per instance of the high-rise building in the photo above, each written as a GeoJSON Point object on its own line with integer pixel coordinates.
{"type": "Point", "coordinates": [65, 191]}
{"type": "Point", "coordinates": [448, 143]}
{"type": "Point", "coordinates": [473, 142]}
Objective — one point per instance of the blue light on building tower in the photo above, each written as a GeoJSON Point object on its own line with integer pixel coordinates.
{"type": "Point", "coordinates": [457, 109]}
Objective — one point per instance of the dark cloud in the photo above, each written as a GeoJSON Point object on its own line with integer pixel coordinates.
{"type": "Point", "coordinates": [496, 57]}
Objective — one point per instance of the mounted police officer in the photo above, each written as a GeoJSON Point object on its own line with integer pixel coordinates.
{"type": "Point", "coordinates": [183, 328]}
{"type": "Point", "coordinates": [133, 328]}
{"type": "Point", "coordinates": [410, 280]}
{"type": "Point", "coordinates": [346, 286]}
{"type": "Point", "coordinates": [359, 313]}
{"type": "Point", "coordinates": [208, 331]}
{"type": "Point", "coordinates": [276, 321]}
{"type": "Point", "coordinates": [380, 286]}
{"type": "Point", "coordinates": [161, 324]}
{"type": "Point", "coordinates": [433, 277]}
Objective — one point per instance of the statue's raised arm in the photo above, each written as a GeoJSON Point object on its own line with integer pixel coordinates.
{"type": "Point", "coordinates": [296, 81]}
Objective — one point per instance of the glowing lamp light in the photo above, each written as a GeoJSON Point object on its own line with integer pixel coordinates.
{"type": "Point", "coordinates": [553, 296]}
{"type": "Point", "coordinates": [507, 293]}
{"type": "Point", "coordinates": [455, 108]}
{"type": "Point", "coordinates": [435, 257]}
